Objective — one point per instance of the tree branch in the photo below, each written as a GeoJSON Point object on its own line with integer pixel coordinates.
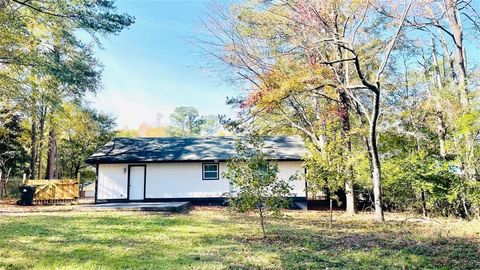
{"type": "Point", "coordinates": [392, 43]}
{"type": "Point", "coordinates": [24, 3]}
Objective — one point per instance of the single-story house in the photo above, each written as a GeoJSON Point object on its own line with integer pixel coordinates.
{"type": "Point", "coordinates": [173, 168]}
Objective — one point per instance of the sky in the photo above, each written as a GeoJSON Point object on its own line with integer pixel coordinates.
{"type": "Point", "coordinates": [152, 68]}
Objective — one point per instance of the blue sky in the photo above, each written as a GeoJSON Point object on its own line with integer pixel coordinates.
{"type": "Point", "coordinates": [151, 68]}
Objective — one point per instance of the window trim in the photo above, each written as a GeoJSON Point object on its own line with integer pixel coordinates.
{"type": "Point", "coordinates": [203, 171]}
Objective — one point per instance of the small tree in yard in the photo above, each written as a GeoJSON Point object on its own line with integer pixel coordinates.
{"type": "Point", "coordinates": [255, 182]}
{"type": "Point", "coordinates": [326, 171]}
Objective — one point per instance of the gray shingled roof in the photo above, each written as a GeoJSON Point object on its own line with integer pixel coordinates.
{"type": "Point", "coordinates": [170, 149]}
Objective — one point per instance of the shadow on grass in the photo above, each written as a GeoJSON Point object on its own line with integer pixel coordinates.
{"type": "Point", "coordinates": [393, 245]}
{"type": "Point", "coordinates": [219, 239]}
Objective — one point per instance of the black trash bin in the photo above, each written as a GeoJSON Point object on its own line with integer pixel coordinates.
{"type": "Point", "coordinates": [26, 195]}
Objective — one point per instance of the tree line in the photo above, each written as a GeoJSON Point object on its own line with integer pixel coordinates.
{"type": "Point", "coordinates": [184, 121]}
{"type": "Point", "coordinates": [47, 129]}
{"type": "Point", "coordinates": [383, 92]}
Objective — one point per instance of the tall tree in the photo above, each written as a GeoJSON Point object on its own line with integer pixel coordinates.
{"type": "Point", "coordinates": [12, 154]}
{"type": "Point", "coordinates": [81, 132]}
{"type": "Point", "coordinates": [44, 63]}
{"type": "Point", "coordinates": [314, 47]}
{"type": "Point", "coordinates": [185, 121]}
{"type": "Point", "coordinates": [443, 100]}
{"type": "Point", "coordinates": [211, 126]}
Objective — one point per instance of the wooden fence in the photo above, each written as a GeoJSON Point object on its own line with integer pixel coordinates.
{"type": "Point", "coordinates": [55, 191]}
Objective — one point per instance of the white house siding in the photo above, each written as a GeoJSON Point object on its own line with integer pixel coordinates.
{"type": "Point", "coordinates": [112, 181]}
{"type": "Point", "coordinates": [286, 169]}
{"type": "Point", "coordinates": [180, 180]}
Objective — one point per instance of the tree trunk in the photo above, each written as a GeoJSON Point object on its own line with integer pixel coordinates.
{"type": "Point", "coordinates": [344, 115]}
{"type": "Point", "coordinates": [441, 127]}
{"type": "Point", "coordinates": [52, 172]}
{"type": "Point", "coordinates": [460, 57]}
{"type": "Point", "coordinates": [455, 23]}
{"type": "Point", "coordinates": [350, 194]}
{"type": "Point", "coordinates": [447, 57]}
{"type": "Point", "coordinates": [77, 170]}
{"type": "Point", "coordinates": [368, 150]}
{"type": "Point", "coordinates": [424, 204]}
{"type": "Point", "coordinates": [33, 151]}
{"type": "Point", "coordinates": [442, 133]}
{"type": "Point", "coordinates": [262, 221]}
{"type": "Point", "coordinates": [343, 112]}
{"type": "Point", "coordinates": [331, 213]}
{"type": "Point", "coordinates": [464, 201]}
{"type": "Point", "coordinates": [43, 116]}
{"type": "Point", "coordinates": [376, 170]}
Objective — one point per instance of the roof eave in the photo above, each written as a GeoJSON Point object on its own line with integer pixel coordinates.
{"type": "Point", "coordinates": [94, 162]}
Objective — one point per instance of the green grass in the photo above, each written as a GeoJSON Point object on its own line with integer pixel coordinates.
{"type": "Point", "coordinates": [218, 239]}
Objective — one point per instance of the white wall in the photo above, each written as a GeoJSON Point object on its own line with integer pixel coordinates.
{"type": "Point", "coordinates": [112, 181]}
{"type": "Point", "coordinates": [286, 170]}
{"type": "Point", "coordinates": [180, 180]}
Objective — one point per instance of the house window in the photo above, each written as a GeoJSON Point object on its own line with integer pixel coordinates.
{"type": "Point", "coordinates": [210, 171]}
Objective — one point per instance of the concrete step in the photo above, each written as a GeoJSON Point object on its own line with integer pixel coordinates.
{"type": "Point", "coordinates": [138, 206]}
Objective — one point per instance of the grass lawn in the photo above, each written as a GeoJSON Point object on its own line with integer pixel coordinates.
{"type": "Point", "coordinates": [218, 239]}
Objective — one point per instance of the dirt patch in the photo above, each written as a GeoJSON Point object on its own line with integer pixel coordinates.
{"type": "Point", "coordinates": [13, 208]}
{"type": "Point", "coordinates": [10, 207]}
